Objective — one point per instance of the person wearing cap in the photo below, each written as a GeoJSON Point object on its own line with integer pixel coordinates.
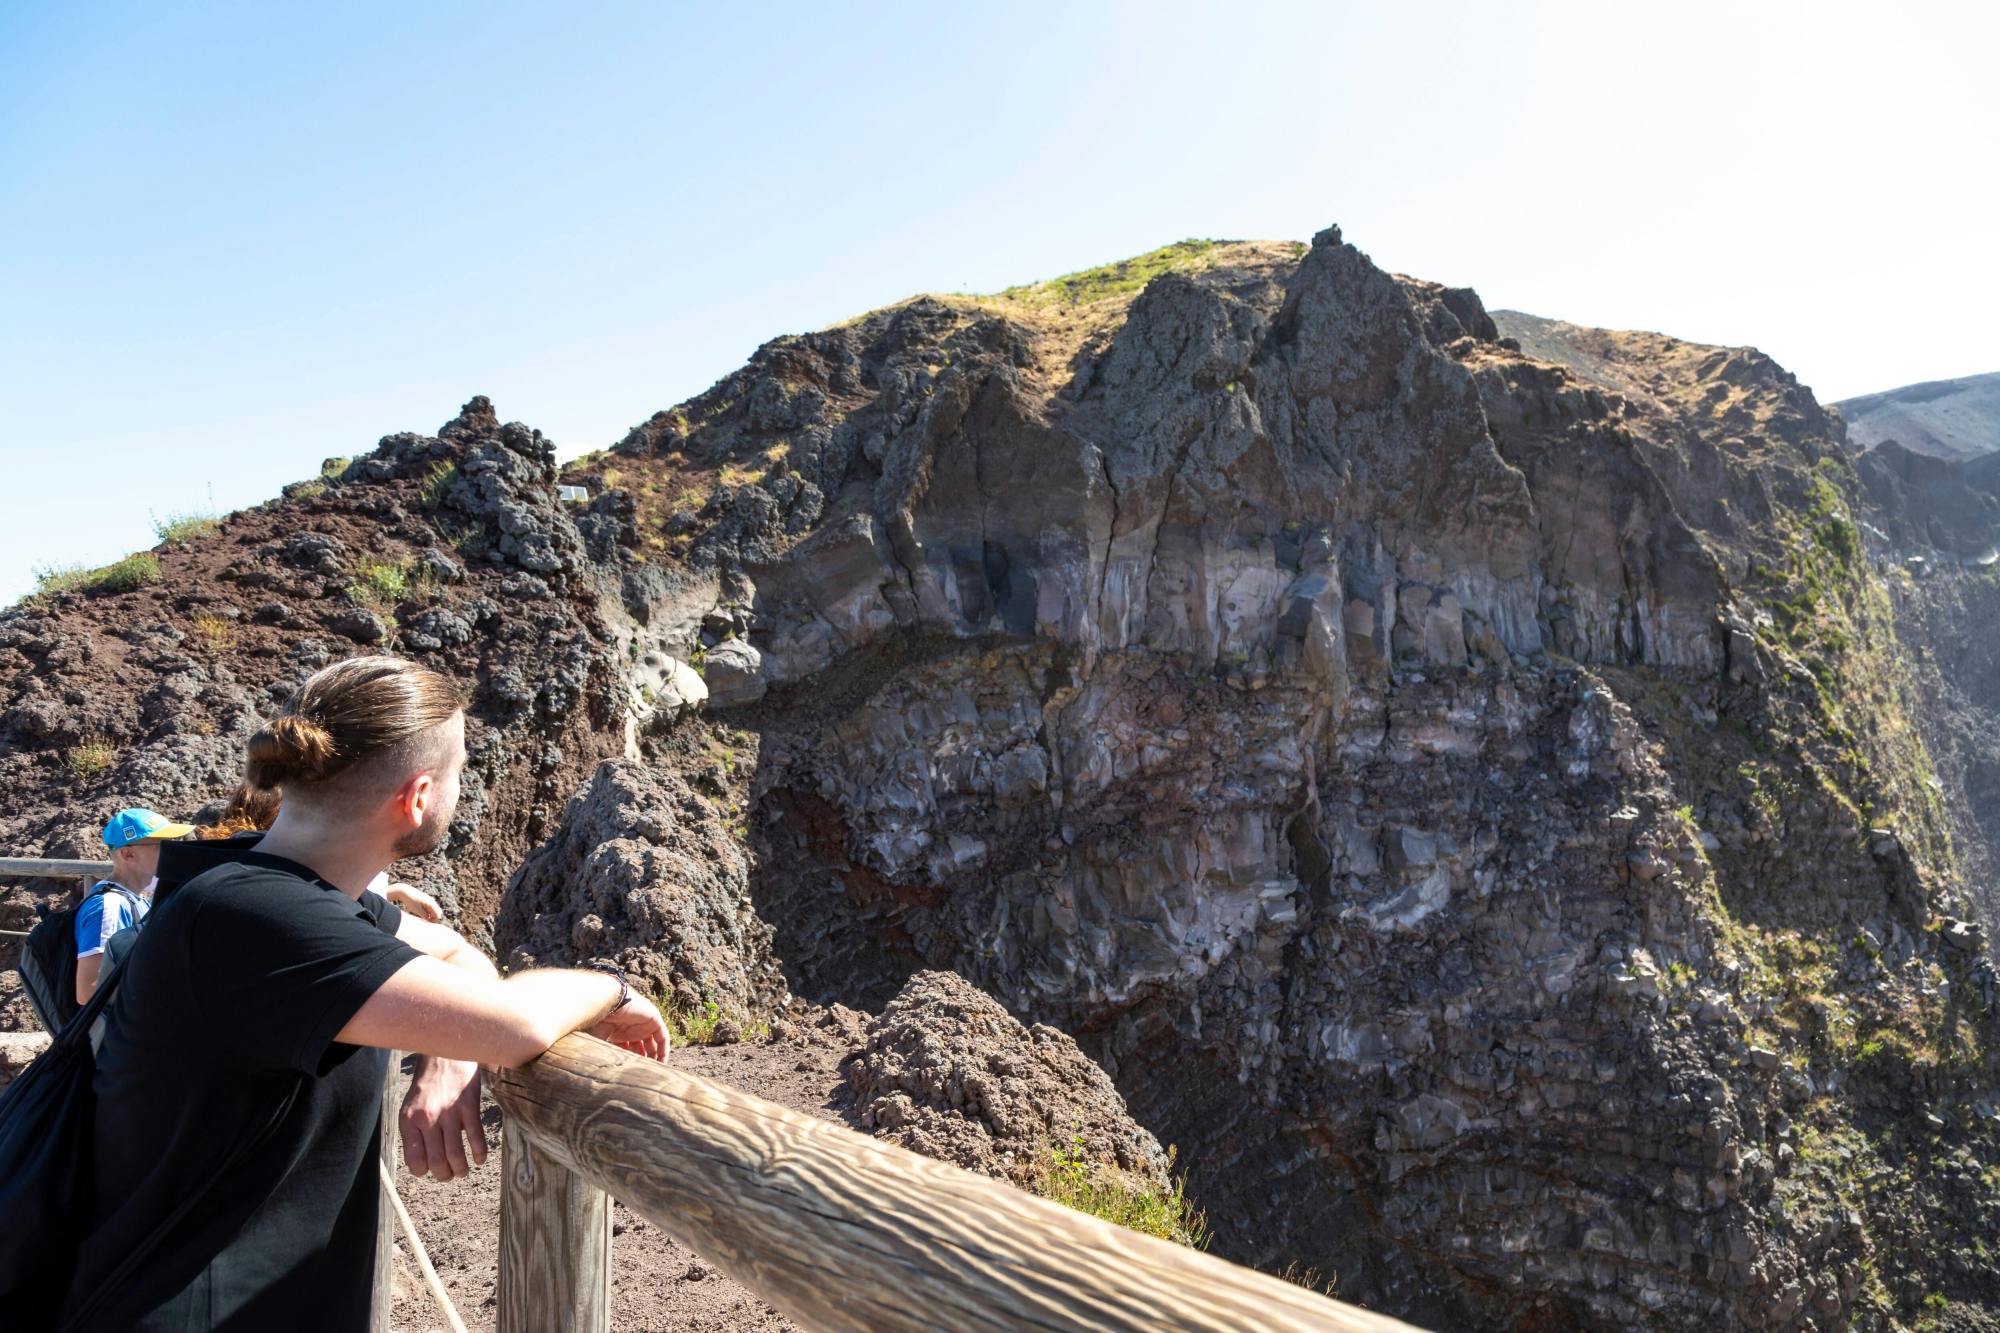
{"type": "Point", "coordinates": [134, 837]}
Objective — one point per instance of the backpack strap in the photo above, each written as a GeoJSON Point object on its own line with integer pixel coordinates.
{"type": "Point", "coordinates": [113, 886]}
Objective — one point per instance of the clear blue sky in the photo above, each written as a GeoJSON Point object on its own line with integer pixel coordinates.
{"type": "Point", "coordinates": [236, 239]}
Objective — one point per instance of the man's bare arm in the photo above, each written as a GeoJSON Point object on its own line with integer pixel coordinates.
{"type": "Point", "coordinates": [439, 1122]}
{"type": "Point", "coordinates": [433, 1008]}
{"type": "Point", "coordinates": [87, 972]}
{"type": "Point", "coordinates": [444, 944]}
{"type": "Point", "coordinates": [414, 901]}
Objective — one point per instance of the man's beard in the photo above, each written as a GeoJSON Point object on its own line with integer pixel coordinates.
{"type": "Point", "coordinates": [427, 837]}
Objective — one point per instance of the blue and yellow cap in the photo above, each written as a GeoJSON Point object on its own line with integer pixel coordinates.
{"type": "Point", "coordinates": [141, 825]}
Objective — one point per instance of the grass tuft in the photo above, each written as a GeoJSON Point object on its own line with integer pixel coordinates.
{"type": "Point", "coordinates": [698, 1026]}
{"type": "Point", "coordinates": [381, 584]}
{"type": "Point", "coordinates": [1312, 1279]}
{"type": "Point", "coordinates": [214, 631]}
{"type": "Point", "coordinates": [436, 483]}
{"type": "Point", "coordinates": [1070, 1179]}
{"type": "Point", "coordinates": [178, 529]}
{"type": "Point", "coordinates": [88, 759]}
{"type": "Point", "coordinates": [692, 1027]}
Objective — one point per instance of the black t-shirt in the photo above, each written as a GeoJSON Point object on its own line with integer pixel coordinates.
{"type": "Point", "coordinates": [222, 1024]}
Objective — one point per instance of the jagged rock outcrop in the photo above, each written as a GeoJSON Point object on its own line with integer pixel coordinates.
{"type": "Point", "coordinates": [949, 1073]}
{"type": "Point", "coordinates": [1923, 508]}
{"type": "Point", "coordinates": [1456, 773]}
{"type": "Point", "coordinates": [645, 873]}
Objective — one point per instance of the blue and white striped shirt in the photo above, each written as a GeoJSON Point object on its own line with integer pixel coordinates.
{"type": "Point", "coordinates": [104, 915]}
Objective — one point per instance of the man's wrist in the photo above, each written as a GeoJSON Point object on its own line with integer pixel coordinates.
{"type": "Point", "coordinates": [616, 973]}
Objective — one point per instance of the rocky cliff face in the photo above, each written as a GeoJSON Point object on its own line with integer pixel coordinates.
{"type": "Point", "coordinates": [1457, 775]}
{"type": "Point", "coordinates": [1472, 795]}
{"type": "Point", "coordinates": [1933, 529]}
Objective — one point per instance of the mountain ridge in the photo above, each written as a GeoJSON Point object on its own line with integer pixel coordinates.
{"type": "Point", "coordinates": [1474, 802]}
{"type": "Point", "coordinates": [1951, 418]}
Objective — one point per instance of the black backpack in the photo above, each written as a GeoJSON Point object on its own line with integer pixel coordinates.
{"type": "Point", "coordinates": [45, 1157]}
{"type": "Point", "coordinates": [47, 1119]}
{"type": "Point", "coordinates": [48, 958]}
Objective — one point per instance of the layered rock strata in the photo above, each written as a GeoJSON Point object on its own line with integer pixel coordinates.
{"type": "Point", "coordinates": [1448, 787]}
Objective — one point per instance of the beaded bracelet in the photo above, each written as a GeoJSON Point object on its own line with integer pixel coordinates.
{"type": "Point", "coordinates": [615, 971]}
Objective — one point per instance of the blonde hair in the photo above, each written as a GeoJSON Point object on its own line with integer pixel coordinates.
{"type": "Point", "coordinates": [353, 725]}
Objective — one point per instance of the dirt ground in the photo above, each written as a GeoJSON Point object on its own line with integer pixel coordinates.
{"type": "Point", "coordinates": [657, 1286]}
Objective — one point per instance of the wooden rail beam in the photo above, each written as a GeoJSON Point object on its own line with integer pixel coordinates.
{"type": "Point", "coordinates": [36, 867]}
{"type": "Point", "coordinates": [850, 1235]}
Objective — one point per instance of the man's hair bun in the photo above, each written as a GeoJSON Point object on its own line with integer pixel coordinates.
{"type": "Point", "coordinates": [289, 749]}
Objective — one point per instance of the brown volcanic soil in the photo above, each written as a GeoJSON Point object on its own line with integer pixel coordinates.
{"type": "Point", "coordinates": [656, 1284]}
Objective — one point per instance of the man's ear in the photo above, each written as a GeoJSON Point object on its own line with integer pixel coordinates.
{"type": "Point", "coordinates": [414, 799]}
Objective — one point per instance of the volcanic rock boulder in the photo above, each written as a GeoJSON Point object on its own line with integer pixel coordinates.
{"type": "Point", "coordinates": [949, 1073]}
{"type": "Point", "coordinates": [497, 480]}
{"type": "Point", "coordinates": [644, 872]}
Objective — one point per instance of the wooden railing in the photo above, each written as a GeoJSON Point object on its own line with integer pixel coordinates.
{"type": "Point", "coordinates": [39, 867]}
{"type": "Point", "coordinates": [838, 1230]}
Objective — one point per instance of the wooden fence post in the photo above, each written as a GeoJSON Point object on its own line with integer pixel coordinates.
{"type": "Point", "coordinates": [385, 1210]}
{"type": "Point", "coordinates": [555, 1243]}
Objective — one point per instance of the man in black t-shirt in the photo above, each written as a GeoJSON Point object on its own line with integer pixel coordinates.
{"type": "Point", "coordinates": [239, 1078]}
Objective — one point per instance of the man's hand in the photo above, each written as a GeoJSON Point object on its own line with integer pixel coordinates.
{"type": "Point", "coordinates": [637, 1026]}
{"type": "Point", "coordinates": [440, 1119]}
{"type": "Point", "coordinates": [414, 900]}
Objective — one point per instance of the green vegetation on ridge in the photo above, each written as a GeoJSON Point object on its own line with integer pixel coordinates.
{"type": "Point", "coordinates": [1116, 279]}
{"type": "Point", "coordinates": [175, 529]}
{"type": "Point", "coordinates": [134, 571]}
